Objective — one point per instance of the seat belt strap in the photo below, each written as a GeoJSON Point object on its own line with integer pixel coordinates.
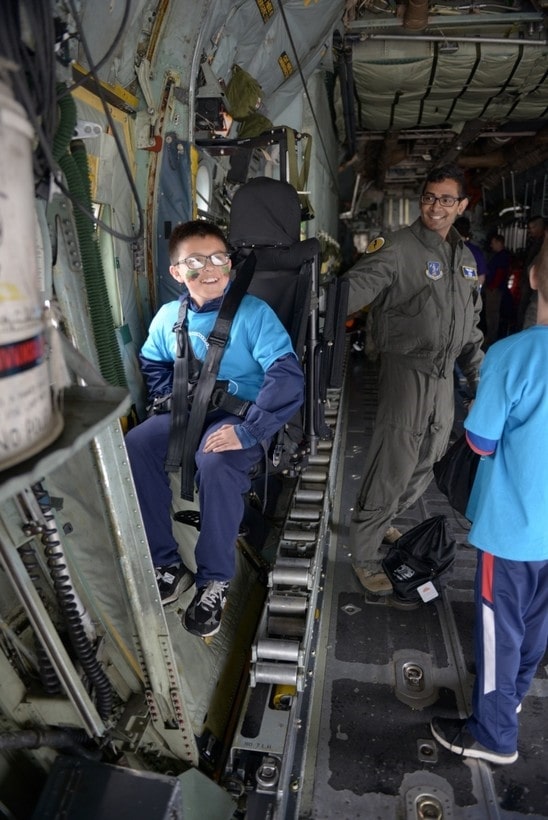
{"type": "Point", "coordinates": [217, 340]}
{"type": "Point", "coordinates": [179, 401]}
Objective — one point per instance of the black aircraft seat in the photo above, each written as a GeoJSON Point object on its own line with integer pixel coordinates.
{"type": "Point", "coordinates": [266, 217]}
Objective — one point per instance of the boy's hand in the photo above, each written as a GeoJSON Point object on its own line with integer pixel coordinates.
{"type": "Point", "coordinates": [224, 438]}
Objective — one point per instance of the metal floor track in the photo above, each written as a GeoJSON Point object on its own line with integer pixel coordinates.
{"type": "Point", "coordinates": [383, 673]}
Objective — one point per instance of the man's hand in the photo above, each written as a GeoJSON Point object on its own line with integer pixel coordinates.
{"type": "Point", "coordinates": [224, 438]}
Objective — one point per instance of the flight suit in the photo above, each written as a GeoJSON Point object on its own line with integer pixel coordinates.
{"type": "Point", "coordinates": [425, 309]}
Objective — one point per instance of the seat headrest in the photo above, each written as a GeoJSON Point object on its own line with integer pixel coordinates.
{"type": "Point", "coordinates": [265, 211]}
{"type": "Point", "coordinates": [286, 259]}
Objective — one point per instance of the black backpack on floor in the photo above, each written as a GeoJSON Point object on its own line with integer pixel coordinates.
{"type": "Point", "coordinates": [420, 555]}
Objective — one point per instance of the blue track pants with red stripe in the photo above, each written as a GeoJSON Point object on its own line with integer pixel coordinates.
{"type": "Point", "coordinates": [511, 634]}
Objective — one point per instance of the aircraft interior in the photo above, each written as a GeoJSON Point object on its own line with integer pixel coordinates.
{"type": "Point", "coordinates": [303, 129]}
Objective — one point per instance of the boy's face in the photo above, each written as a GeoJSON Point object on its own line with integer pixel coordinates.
{"type": "Point", "coordinates": [204, 283]}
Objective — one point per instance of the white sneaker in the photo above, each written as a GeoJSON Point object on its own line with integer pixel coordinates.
{"type": "Point", "coordinates": [452, 734]}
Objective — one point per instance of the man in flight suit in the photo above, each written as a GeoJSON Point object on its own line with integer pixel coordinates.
{"type": "Point", "coordinates": [422, 286]}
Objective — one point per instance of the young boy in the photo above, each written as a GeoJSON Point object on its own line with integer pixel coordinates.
{"type": "Point", "coordinates": [260, 368]}
{"type": "Point", "coordinates": [508, 425]}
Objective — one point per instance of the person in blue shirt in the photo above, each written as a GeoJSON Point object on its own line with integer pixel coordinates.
{"type": "Point", "coordinates": [508, 508]}
{"type": "Point", "coordinates": [260, 367]}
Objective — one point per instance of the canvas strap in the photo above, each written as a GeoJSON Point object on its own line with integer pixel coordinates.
{"type": "Point", "coordinates": [217, 340]}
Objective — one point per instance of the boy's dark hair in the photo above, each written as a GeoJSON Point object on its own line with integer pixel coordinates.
{"type": "Point", "coordinates": [187, 230]}
{"type": "Point", "coordinates": [540, 263]}
{"type": "Point", "coordinates": [449, 171]}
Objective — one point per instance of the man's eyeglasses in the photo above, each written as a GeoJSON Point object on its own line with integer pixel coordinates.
{"type": "Point", "coordinates": [198, 260]}
{"type": "Point", "coordinates": [445, 200]}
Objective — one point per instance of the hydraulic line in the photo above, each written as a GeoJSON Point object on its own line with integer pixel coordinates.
{"type": "Point", "coordinates": [48, 676]}
{"type": "Point", "coordinates": [67, 599]}
{"type": "Point", "coordinates": [64, 739]}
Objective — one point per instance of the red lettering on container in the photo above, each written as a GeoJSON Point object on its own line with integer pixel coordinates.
{"type": "Point", "coordinates": [19, 356]}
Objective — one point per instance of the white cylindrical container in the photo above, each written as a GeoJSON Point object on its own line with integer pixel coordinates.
{"type": "Point", "coordinates": [28, 420]}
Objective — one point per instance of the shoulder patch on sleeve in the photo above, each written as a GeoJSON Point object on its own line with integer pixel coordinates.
{"type": "Point", "coordinates": [375, 244]}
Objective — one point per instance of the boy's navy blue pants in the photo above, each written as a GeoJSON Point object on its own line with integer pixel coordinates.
{"type": "Point", "coordinates": [222, 479]}
{"type": "Point", "coordinates": [511, 633]}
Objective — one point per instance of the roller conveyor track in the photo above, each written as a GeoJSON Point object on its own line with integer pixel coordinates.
{"type": "Point", "coordinates": [282, 655]}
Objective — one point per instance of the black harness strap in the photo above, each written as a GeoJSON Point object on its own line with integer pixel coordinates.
{"type": "Point", "coordinates": [179, 403]}
{"type": "Point", "coordinates": [216, 343]}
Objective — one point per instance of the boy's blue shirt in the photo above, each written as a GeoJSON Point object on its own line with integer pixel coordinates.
{"type": "Point", "coordinates": [508, 505]}
{"type": "Point", "coordinates": [258, 362]}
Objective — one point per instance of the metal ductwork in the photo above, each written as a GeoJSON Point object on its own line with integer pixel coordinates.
{"type": "Point", "coordinates": [391, 153]}
{"type": "Point", "coordinates": [416, 15]}
{"type": "Point", "coordinates": [467, 136]}
{"type": "Point", "coordinates": [517, 160]}
{"type": "Point", "coordinates": [495, 159]}
{"type": "Point", "coordinates": [496, 143]}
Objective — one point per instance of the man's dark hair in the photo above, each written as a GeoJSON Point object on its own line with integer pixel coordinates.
{"type": "Point", "coordinates": [462, 224]}
{"type": "Point", "coordinates": [449, 171]}
{"type": "Point", "coordinates": [187, 230]}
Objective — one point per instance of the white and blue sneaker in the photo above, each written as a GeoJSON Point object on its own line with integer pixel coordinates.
{"type": "Point", "coordinates": [452, 734]}
{"type": "Point", "coordinates": [203, 616]}
{"type": "Point", "coordinates": [172, 581]}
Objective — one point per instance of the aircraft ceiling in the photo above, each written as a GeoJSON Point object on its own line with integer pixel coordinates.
{"type": "Point", "coordinates": [448, 82]}
{"type": "Point", "coordinates": [414, 84]}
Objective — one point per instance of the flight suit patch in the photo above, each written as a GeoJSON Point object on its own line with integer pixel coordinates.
{"type": "Point", "coordinates": [433, 270]}
{"type": "Point", "coordinates": [469, 273]}
{"type": "Point", "coordinates": [375, 244]}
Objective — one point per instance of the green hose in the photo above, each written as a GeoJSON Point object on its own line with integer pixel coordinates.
{"type": "Point", "coordinates": [65, 125]}
{"type": "Point", "coordinates": [72, 158]}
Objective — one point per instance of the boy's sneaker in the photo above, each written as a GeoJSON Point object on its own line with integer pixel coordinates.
{"type": "Point", "coordinates": [203, 616]}
{"type": "Point", "coordinates": [172, 581]}
{"type": "Point", "coordinates": [453, 735]}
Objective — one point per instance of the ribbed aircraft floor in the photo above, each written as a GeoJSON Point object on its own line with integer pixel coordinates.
{"type": "Point", "coordinates": [382, 674]}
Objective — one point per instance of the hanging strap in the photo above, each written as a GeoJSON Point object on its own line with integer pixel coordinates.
{"type": "Point", "coordinates": [179, 402]}
{"type": "Point", "coordinates": [216, 343]}
{"type": "Point", "coordinates": [298, 177]}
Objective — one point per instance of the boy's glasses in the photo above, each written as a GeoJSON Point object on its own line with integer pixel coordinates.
{"type": "Point", "coordinates": [445, 200]}
{"type": "Point", "coordinates": [198, 260]}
